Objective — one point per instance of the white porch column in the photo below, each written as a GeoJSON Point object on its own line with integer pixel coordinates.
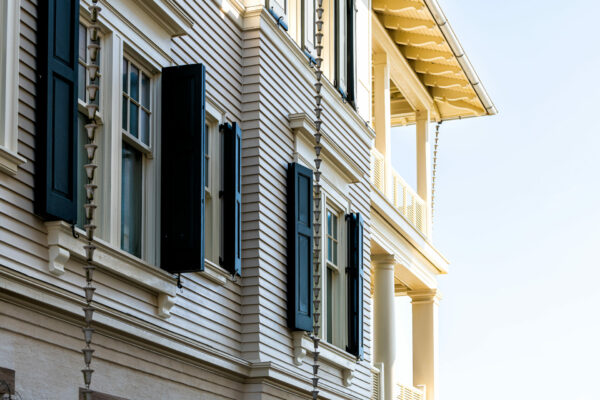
{"type": "Point", "coordinates": [425, 305]}
{"type": "Point", "coordinates": [424, 164]}
{"type": "Point", "coordinates": [384, 320]}
{"type": "Point", "coordinates": [383, 115]}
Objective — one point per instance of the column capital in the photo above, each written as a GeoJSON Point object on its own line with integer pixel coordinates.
{"type": "Point", "coordinates": [383, 260]}
{"type": "Point", "coordinates": [425, 295]}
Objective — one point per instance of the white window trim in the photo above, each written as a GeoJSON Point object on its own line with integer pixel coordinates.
{"type": "Point", "coordinates": [10, 22]}
{"type": "Point", "coordinates": [333, 200]}
{"type": "Point", "coordinates": [215, 116]}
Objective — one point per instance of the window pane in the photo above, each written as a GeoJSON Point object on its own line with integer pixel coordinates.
{"type": "Point", "coordinates": [124, 114]}
{"type": "Point", "coordinates": [329, 305]}
{"type": "Point", "coordinates": [329, 223]}
{"type": "Point", "coordinates": [335, 253]}
{"type": "Point", "coordinates": [125, 75]}
{"type": "Point", "coordinates": [81, 82]}
{"type": "Point", "coordinates": [134, 89]}
{"type": "Point", "coordinates": [81, 161]}
{"type": "Point", "coordinates": [133, 119]}
{"type": "Point", "coordinates": [334, 222]}
{"type": "Point", "coordinates": [131, 201]}
{"type": "Point", "coordinates": [145, 91]}
{"type": "Point", "coordinates": [145, 128]}
{"type": "Point", "coordinates": [329, 249]}
{"type": "Point", "coordinates": [82, 42]}
{"type": "Point", "coordinates": [206, 157]}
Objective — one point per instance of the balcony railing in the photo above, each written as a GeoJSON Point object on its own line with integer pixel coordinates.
{"type": "Point", "coordinates": [404, 198]}
{"type": "Point", "coordinates": [410, 393]}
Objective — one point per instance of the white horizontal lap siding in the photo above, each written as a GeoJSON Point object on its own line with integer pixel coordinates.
{"type": "Point", "coordinates": [280, 93]}
{"type": "Point", "coordinates": [205, 312]}
{"type": "Point", "coordinates": [205, 309]}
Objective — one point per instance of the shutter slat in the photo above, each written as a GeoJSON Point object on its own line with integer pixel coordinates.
{"type": "Point", "coordinates": [300, 247]}
{"type": "Point", "coordinates": [182, 169]}
{"type": "Point", "coordinates": [355, 284]}
{"type": "Point", "coordinates": [56, 136]}
{"type": "Point", "coordinates": [232, 202]}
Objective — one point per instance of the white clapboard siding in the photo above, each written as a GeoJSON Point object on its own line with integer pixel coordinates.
{"type": "Point", "coordinates": [250, 80]}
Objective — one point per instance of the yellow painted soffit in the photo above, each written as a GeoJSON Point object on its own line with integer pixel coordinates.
{"type": "Point", "coordinates": [424, 37]}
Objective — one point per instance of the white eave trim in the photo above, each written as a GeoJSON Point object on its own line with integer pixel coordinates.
{"type": "Point", "coordinates": [461, 56]}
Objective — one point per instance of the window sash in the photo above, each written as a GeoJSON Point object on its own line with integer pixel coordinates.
{"type": "Point", "coordinates": [308, 26]}
{"type": "Point", "coordinates": [139, 103]}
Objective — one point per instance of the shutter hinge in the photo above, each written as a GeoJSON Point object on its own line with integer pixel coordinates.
{"type": "Point", "coordinates": [73, 231]}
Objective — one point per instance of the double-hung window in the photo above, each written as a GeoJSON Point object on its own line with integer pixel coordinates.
{"type": "Point", "coordinates": [213, 184]}
{"type": "Point", "coordinates": [334, 277]}
{"type": "Point", "coordinates": [136, 130]}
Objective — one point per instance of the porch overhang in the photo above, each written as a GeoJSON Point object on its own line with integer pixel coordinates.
{"type": "Point", "coordinates": [425, 39]}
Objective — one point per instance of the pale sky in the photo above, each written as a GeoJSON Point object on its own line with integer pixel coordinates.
{"type": "Point", "coordinates": [517, 207]}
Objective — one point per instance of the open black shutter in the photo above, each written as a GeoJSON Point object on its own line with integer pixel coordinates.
{"type": "Point", "coordinates": [182, 170]}
{"type": "Point", "coordinates": [355, 284]}
{"type": "Point", "coordinates": [351, 51]}
{"type": "Point", "coordinates": [300, 247]}
{"type": "Point", "coordinates": [232, 199]}
{"type": "Point", "coordinates": [56, 136]}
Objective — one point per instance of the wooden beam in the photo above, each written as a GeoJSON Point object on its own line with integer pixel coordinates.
{"type": "Point", "coordinates": [464, 105]}
{"type": "Point", "coordinates": [416, 39]}
{"type": "Point", "coordinates": [407, 24]}
{"type": "Point", "coordinates": [424, 67]}
{"type": "Point", "coordinates": [400, 107]}
{"type": "Point", "coordinates": [417, 53]}
{"type": "Point", "coordinates": [445, 82]}
{"type": "Point", "coordinates": [451, 95]}
{"type": "Point", "coordinates": [396, 6]}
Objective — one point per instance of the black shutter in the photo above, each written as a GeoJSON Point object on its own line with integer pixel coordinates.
{"type": "Point", "coordinates": [232, 199]}
{"type": "Point", "coordinates": [351, 52]}
{"type": "Point", "coordinates": [300, 247]}
{"type": "Point", "coordinates": [355, 284]}
{"type": "Point", "coordinates": [56, 136]}
{"type": "Point", "coordinates": [182, 170]}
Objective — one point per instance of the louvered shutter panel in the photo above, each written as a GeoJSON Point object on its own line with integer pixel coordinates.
{"type": "Point", "coordinates": [355, 284]}
{"type": "Point", "coordinates": [182, 169]}
{"type": "Point", "coordinates": [232, 200]}
{"type": "Point", "coordinates": [56, 136]}
{"type": "Point", "coordinates": [351, 64]}
{"type": "Point", "coordinates": [300, 247]}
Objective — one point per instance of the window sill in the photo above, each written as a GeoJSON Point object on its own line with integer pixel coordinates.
{"type": "Point", "coordinates": [303, 347]}
{"type": "Point", "coordinates": [62, 246]}
{"type": "Point", "coordinates": [10, 161]}
{"type": "Point", "coordinates": [215, 273]}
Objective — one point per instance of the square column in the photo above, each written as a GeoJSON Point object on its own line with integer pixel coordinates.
{"type": "Point", "coordinates": [383, 116]}
{"type": "Point", "coordinates": [384, 321]}
{"type": "Point", "coordinates": [425, 305]}
{"type": "Point", "coordinates": [424, 164]}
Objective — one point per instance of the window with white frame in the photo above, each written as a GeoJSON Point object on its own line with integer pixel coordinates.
{"type": "Point", "coordinates": [136, 150]}
{"type": "Point", "coordinates": [334, 276]}
{"type": "Point", "coordinates": [213, 159]}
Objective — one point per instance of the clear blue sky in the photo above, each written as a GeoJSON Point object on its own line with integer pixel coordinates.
{"type": "Point", "coordinates": [517, 207]}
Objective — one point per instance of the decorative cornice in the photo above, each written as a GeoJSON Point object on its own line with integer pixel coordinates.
{"type": "Point", "coordinates": [303, 127]}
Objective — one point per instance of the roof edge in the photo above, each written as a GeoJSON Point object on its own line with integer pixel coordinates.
{"type": "Point", "coordinates": [444, 25]}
